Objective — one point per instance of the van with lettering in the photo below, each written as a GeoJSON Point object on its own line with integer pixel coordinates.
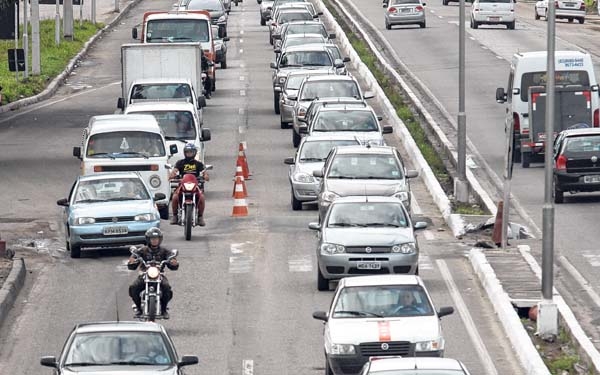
{"type": "Point", "coordinates": [527, 69]}
{"type": "Point", "coordinates": [119, 143]}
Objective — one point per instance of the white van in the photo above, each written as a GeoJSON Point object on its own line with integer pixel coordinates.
{"type": "Point", "coordinates": [117, 143]}
{"type": "Point", "coordinates": [529, 69]}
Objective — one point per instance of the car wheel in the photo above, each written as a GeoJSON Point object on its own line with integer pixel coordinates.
{"type": "Point", "coordinates": [581, 20]}
{"type": "Point", "coordinates": [444, 2]}
{"type": "Point", "coordinates": [164, 213]}
{"type": "Point", "coordinates": [559, 196]}
{"type": "Point", "coordinates": [75, 251]}
{"type": "Point", "coordinates": [296, 204]}
{"type": "Point", "coordinates": [546, 15]}
{"type": "Point", "coordinates": [224, 63]}
{"type": "Point", "coordinates": [296, 138]}
{"type": "Point", "coordinates": [328, 370]}
{"type": "Point", "coordinates": [283, 124]}
{"type": "Point", "coordinates": [270, 40]}
{"type": "Point", "coordinates": [511, 25]}
{"type": "Point", "coordinates": [323, 285]}
{"type": "Point", "coordinates": [388, 26]}
{"type": "Point", "coordinates": [422, 25]}
{"type": "Point", "coordinates": [417, 271]}
{"type": "Point", "coordinates": [525, 159]}
{"type": "Point", "coordinates": [474, 24]}
{"type": "Point", "coordinates": [276, 103]}
{"type": "Point", "coordinates": [263, 21]}
{"type": "Point", "coordinates": [537, 16]}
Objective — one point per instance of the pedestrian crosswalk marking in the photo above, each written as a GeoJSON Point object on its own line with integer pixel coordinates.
{"type": "Point", "coordinates": [592, 258]}
{"type": "Point", "coordinates": [301, 264]}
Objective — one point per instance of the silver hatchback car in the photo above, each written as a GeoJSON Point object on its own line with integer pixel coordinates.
{"type": "Point", "coordinates": [404, 12]}
{"type": "Point", "coordinates": [366, 235]}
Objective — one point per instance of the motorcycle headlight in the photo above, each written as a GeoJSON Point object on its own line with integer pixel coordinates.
{"type": "Point", "coordinates": [144, 217]}
{"type": "Point", "coordinates": [328, 197]}
{"type": "Point", "coordinates": [332, 248]}
{"type": "Point", "coordinates": [84, 220]}
{"type": "Point", "coordinates": [153, 272]}
{"type": "Point", "coordinates": [303, 177]}
{"type": "Point", "coordinates": [429, 346]}
{"type": "Point", "coordinates": [405, 248]}
{"type": "Point", "coordinates": [189, 186]}
{"type": "Point", "coordinates": [402, 195]}
{"type": "Point", "coordinates": [155, 181]}
{"type": "Point", "coordinates": [342, 349]}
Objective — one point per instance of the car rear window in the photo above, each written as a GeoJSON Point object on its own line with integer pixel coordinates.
{"type": "Point", "coordinates": [330, 89]}
{"type": "Point", "coordinates": [581, 144]}
{"type": "Point", "coordinates": [343, 120]}
{"type": "Point", "coordinates": [365, 166]}
{"type": "Point", "coordinates": [563, 77]}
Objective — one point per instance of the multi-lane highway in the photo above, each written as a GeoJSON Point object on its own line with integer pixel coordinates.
{"type": "Point", "coordinates": [246, 288]}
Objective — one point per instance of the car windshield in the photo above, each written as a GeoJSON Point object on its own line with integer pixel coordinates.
{"type": "Point", "coordinates": [367, 214]}
{"type": "Point", "coordinates": [401, 2]}
{"type": "Point", "coordinates": [304, 40]}
{"type": "Point", "coordinates": [113, 189]}
{"type": "Point", "coordinates": [330, 89]}
{"type": "Point", "coordinates": [125, 144]}
{"type": "Point", "coordinates": [175, 124]}
{"type": "Point", "coordinates": [382, 301]}
{"type": "Point", "coordinates": [177, 30]}
{"type": "Point", "coordinates": [118, 348]}
{"type": "Point", "coordinates": [303, 15]}
{"type": "Point", "coordinates": [205, 5]}
{"type": "Point", "coordinates": [306, 58]}
{"type": "Point", "coordinates": [318, 150]}
{"type": "Point", "coordinates": [307, 29]}
{"type": "Point", "coordinates": [582, 144]}
{"type": "Point", "coordinates": [365, 166]}
{"type": "Point", "coordinates": [161, 91]}
{"type": "Point", "coordinates": [345, 120]}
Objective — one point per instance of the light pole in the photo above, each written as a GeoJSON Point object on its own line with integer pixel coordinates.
{"type": "Point", "coordinates": [461, 188]}
{"type": "Point", "coordinates": [26, 37]}
{"type": "Point", "coordinates": [35, 37]}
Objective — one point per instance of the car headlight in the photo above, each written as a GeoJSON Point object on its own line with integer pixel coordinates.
{"type": "Point", "coordinates": [429, 346]}
{"type": "Point", "coordinates": [402, 195]}
{"type": "Point", "coordinates": [405, 248]}
{"type": "Point", "coordinates": [84, 220]}
{"type": "Point", "coordinates": [145, 217]}
{"type": "Point", "coordinates": [328, 197]}
{"type": "Point", "coordinates": [301, 112]}
{"type": "Point", "coordinates": [281, 80]}
{"type": "Point", "coordinates": [223, 18]}
{"type": "Point", "coordinates": [155, 181]}
{"type": "Point", "coordinates": [342, 349]}
{"type": "Point", "coordinates": [332, 248]}
{"type": "Point", "coordinates": [303, 177]}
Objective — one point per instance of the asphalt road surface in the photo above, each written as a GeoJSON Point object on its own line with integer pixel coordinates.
{"type": "Point", "coordinates": [246, 288]}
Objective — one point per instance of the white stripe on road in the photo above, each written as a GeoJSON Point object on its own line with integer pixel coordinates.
{"type": "Point", "coordinates": [302, 264]}
{"type": "Point", "coordinates": [242, 65]}
{"type": "Point", "coordinates": [463, 311]}
{"type": "Point", "coordinates": [241, 32]}
{"type": "Point", "coordinates": [416, 209]}
{"type": "Point", "coordinates": [564, 262]}
{"type": "Point", "coordinates": [429, 236]}
{"type": "Point", "coordinates": [248, 367]}
{"type": "Point", "coordinates": [241, 263]}
{"type": "Point", "coordinates": [241, 111]}
{"type": "Point", "coordinates": [425, 262]}
{"type": "Point", "coordinates": [242, 78]}
{"type": "Point", "coordinates": [241, 50]}
{"type": "Point", "coordinates": [242, 92]}
{"type": "Point", "coordinates": [241, 40]}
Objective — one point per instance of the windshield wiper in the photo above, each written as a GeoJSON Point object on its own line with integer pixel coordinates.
{"type": "Point", "coordinates": [134, 153]}
{"type": "Point", "coordinates": [85, 364]}
{"type": "Point", "coordinates": [376, 178]}
{"type": "Point", "coordinates": [344, 225]}
{"type": "Point", "coordinates": [314, 64]}
{"type": "Point", "coordinates": [311, 159]}
{"type": "Point", "coordinates": [109, 154]}
{"type": "Point", "coordinates": [90, 201]}
{"type": "Point", "coordinates": [132, 363]}
{"type": "Point", "coordinates": [180, 139]}
{"type": "Point", "coordinates": [343, 177]}
{"type": "Point", "coordinates": [290, 66]}
{"type": "Point", "coordinates": [358, 313]}
{"type": "Point", "coordinates": [123, 199]}
{"type": "Point", "coordinates": [171, 38]}
{"type": "Point", "coordinates": [383, 225]}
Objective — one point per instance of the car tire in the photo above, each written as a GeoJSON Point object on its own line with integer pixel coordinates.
{"type": "Point", "coordinates": [444, 2]}
{"type": "Point", "coordinates": [276, 103]}
{"type": "Point", "coordinates": [474, 24]}
{"type": "Point", "coordinates": [270, 39]}
{"type": "Point", "coordinates": [511, 25]}
{"type": "Point", "coordinates": [417, 271]}
{"type": "Point", "coordinates": [224, 63]}
{"type": "Point", "coordinates": [328, 370]}
{"type": "Point", "coordinates": [537, 16]}
{"type": "Point", "coordinates": [423, 25]}
{"type": "Point", "coordinates": [164, 213]}
{"type": "Point", "coordinates": [283, 124]}
{"type": "Point", "coordinates": [525, 159]}
{"type": "Point", "coordinates": [581, 20]}
{"type": "Point", "coordinates": [322, 286]}
{"type": "Point", "coordinates": [296, 138]}
{"type": "Point", "coordinates": [388, 26]}
{"type": "Point", "coordinates": [263, 21]}
{"type": "Point", "coordinates": [546, 15]}
{"type": "Point", "coordinates": [559, 196]}
{"type": "Point", "coordinates": [296, 204]}
{"type": "Point", "coordinates": [75, 251]}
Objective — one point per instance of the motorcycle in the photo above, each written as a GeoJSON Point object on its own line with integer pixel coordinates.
{"type": "Point", "coordinates": [187, 211]}
{"type": "Point", "coordinates": [153, 276]}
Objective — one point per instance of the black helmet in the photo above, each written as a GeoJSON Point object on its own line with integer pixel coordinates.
{"type": "Point", "coordinates": [190, 147]}
{"type": "Point", "coordinates": [151, 233]}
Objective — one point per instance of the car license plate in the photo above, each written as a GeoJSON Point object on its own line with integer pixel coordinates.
{"type": "Point", "coordinates": [494, 19]}
{"type": "Point", "coordinates": [406, 10]}
{"type": "Point", "coordinates": [368, 265]}
{"type": "Point", "coordinates": [569, 4]}
{"type": "Point", "coordinates": [111, 231]}
{"type": "Point", "coordinates": [591, 179]}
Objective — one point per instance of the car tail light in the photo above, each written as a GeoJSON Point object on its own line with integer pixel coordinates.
{"type": "Point", "coordinates": [597, 118]}
{"type": "Point", "coordinates": [419, 8]}
{"type": "Point", "coordinates": [556, 5]}
{"type": "Point", "coordinates": [516, 123]}
{"type": "Point", "coordinates": [392, 10]}
{"type": "Point", "coordinates": [582, 6]}
{"type": "Point", "coordinates": [476, 9]}
{"type": "Point", "coordinates": [561, 162]}
{"type": "Point", "coordinates": [97, 168]}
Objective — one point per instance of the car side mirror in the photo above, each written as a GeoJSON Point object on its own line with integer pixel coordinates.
{"type": "Point", "coordinates": [289, 161]}
{"type": "Point", "coordinates": [369, 95]}
{"type": "Point", "coordinates": [384, 5]}
{"type": "Point", "coordinates": [420, 225]}
{"type": "Point", "coordinates": [292, 97]}
{"type": "Point", "coordinates": [159, 197]}
{"type": "Point", "coordinates": [500, 95]}
{"type": "Point", "coordinates": [316, 16]}
{"type": "Point", "coordinates": [277, 36]}
{"type": "Point", "coordinates": [277, 50]}
{"type": "Point", "coordinates": [379, 118]}
{"type": "Point", "coordinates": [332, 36]}
{"type": "Point", "coordinates": [319, 13]}
{"type": "Point", "coordinates": [424, 4]}
{"type": "Point", "coordinates": [134, 33]}
{"type": "Point", "coordinates": [120, 103]}
{"type": "Point", "coordinates": [226, 39]}
{"type": "Point", "coordinates": [77, 152]}
{"type": "Point", "coordinates": [388, 129]}
{"type": "Point", "coordinates": [411, 173]}
{"type": "Point", "coordinates": [49, 361]}
{"type": "Point", "coordinates": [314, 226]}
{"type": "Point", "coordinates": [259, 1]}
{"type": "Point", "coordinates": [318, 173]}
{"type": "Point", "coordinates": [303, 129]}
{"type": "Point", "coordinates": [446, 310]}
{"type": "Point", "coordinates": [187, 360]}
{"type": "Point", "coordinates": [173, 149]}
{"type": "Point", "coordinates": [320, 315]}
{"type": "Point", "coordinates": [338, 63]}
{"type": "Point", "coordinates": [346, 59]}
{"type": "Point", "coordinates": [63, 202]}
{"type": "Point", "coordinates": [273, 65]}
{"type": "Point", "coordinates": [205, 135]}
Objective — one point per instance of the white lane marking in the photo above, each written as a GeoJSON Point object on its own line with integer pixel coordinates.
{"type": "Point", "coordinates": [301, 264]}
{"type": "Point", "coordinates": [484, 47]}
{"type": "Point", "coordinates": [241, 32]}
{"type": "Point", "coordinates": [242, 78]}
{"type": "Point", "coordinates": [432, 11]}
{"type": "Point", "coordinates": [424, 262]}
{"type": "Point", "coordinates": [241, 50]}
{"type": "Point", "coordinates": [429, 236]}
{"type": "Point", "coordinates": [242, 65]}
{"type": "Point", "coordinates": [592, 259]}
{"type": "Point", "coordinates": [241, 40]}
{"type": "Point", "coordinates": [241, 263]}
{"type": "Point", "coordinates": [241, 129]}
{"type": "Point", "coordinates": [416, 209]}
{"type": "Point", "coordinates": [564, 262]}
{"type": "Point", "coordinates": [241, 111]}
{"type": "Point", "coordinates": [248, 367]}
{"type": "Point", "coordinates": [242, 92]}
{"type": "Point", "coordinates": [440, 17]}
{"type": "Point", "coordinates": [463, 311]}
{"type": "Point", "coordinates": [21, 113]}
{"type": "Point", "coordinates": [123, 266]}
{"type": "Point", "coordinates": [499, 57]}
{"type": "Point", "coordinates": [237, 248]}
{"type": "Point", "coordinates": [472, 37]}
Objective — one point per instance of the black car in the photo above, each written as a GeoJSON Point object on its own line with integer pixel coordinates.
{"type": "Point", "coordinates": [124, 347]}
{"type": "Point", "coordinates": [216, 8]}
{"type": "Point", "coordinates": [576, 162]}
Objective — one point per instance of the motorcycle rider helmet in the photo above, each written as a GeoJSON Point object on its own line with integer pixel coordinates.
{"type": "Point", "coordinates": [151, 233]}
{"type": "Point", "coordinates": [190, 150]}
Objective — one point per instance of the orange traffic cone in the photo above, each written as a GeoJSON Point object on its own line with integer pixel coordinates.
{"type": "Point", "coordinates": [239, 178]}
{"type": "Point", "coordinates": [240, 207]}
{"type": "Point", "coordinates": [497, 233]}
{"type": "Point", "coordinates": [241, 160]}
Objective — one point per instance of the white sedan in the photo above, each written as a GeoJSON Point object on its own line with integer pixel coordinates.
{"type": "Point", "coordinates": [566, 9]}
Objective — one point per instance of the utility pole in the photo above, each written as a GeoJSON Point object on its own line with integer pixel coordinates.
{"type": "Point", "coordinates": [547, 322]}
{"type": "Point", "coordinates": [93, 12]}
{"type": "Point", "coordinates": [461, 188]}
{"type": "Point", "coordinates": [35, 37]}
{"type": "Point", "coordinates": [26, 37]}
{"type": "Point", "coordinates": [68, 19]}
{"type": "Point", "coordinates": [16, 40]}
{"type": "Point", "coordinates": [57, 24]}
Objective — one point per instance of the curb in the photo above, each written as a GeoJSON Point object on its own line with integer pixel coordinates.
{"type": "Point", "coordinates": [521, 343]}
{"type": "Point", "coordinates": [58, 80]}
{"type": "Point", "coordinates": [11, 287]}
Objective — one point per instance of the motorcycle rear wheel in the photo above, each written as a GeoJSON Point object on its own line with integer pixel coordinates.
{"type": "Point", "coordinates": [189, 217]}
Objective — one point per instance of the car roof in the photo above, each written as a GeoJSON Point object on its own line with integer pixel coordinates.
{"type": "Point", "coordinates": [374, 280]}
{"type": "Point", "coordinates": [177, 14]}
{"type": "Point", "coordinates": [174, 80]}
{"type": "Point", "coordinates": [363, 199]}
{"type": "Point", "coordinates": [133, 122]}
{"type": "Point", "coordinates": [118, 327]}
{"type": "Point", "coordinates": [582, 131]}
{"type": "Point", "coordinates": [108, 175]}
{"type": "Point", "coordinates": [304, 22]}
{"type": "Point", "coordinates": [332, 78]}
{"type": "Point", "coordinates": [538, 54]}
{"type": "Point", "coordinates": [365, 150]}
{"type": "Point", "coordinates": [159, 105]}
{"type": "Point", "coordinates": [304, 35]}
{"type": "Point", "coordinates": [337, 100]}
{"type": "Point", "coordinates": [410, 363]}
{"type": "Point", "coordinates": [361, 106]}
{"type": "Point", "coordinates": [308, 73]}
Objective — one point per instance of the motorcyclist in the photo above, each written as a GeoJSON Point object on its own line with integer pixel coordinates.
{"type": "Point", "coordinates": [189, 165]}
{"type": "Point", "coordinates": [206, 64]}
{"type": "Point", "coordinates": [152, 251]}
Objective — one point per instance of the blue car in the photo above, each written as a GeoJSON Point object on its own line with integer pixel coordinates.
{"type": "Point", "coordinates": [108, 210]}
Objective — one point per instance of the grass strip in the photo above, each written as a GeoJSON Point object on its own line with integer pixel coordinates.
{"type": "Point", "coordinates": [53, 59]}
